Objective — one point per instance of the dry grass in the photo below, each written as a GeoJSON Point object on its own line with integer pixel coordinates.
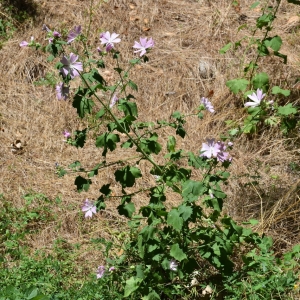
{"type": "Point", "coordinates": [186, 32]}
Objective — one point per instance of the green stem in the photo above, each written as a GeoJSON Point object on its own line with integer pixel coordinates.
{"type": "Point", "coordinates": [265, 36]}
{"type": "Point", "coordinates": [147, 157]}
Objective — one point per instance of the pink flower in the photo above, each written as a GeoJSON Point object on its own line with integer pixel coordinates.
{"type": "Point", "coordinates": [89, 208]}
{"type": "Point", "coordinates": [74, 33]}
{"type": "Point", "coordinates": [100, 272]}
{"type": "Point", "coordinates": [207, 104]}
{"type": "Point", "coordinates": [222, 155]}
{"type": "Point", "coordinates": [111, 269]}
{"type": "Point", "coordinates": [256, 98]}
{"type": "Point", "coordinates": [114, 100]}
{"type": "Point", "coordinates": [143, 45]}
{"type": "Point", "coordinates": [70, 66]}
{"type": "Point", "coordinates": [62, 92]}
{"type": "Point", "coordinates": [25, 44]}
{"type": "Point", "coordinates": [56, 34]}
{"type": "Point", "coordinates": [209, 149]}
{"type": "Point", "coordinates": [212, 149]}
{"type": "Point", "coordinates": [66, 134]}
{"type": "Point", "coordinates": [109, 40]}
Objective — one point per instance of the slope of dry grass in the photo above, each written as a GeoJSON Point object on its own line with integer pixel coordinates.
{"type": "Point", "coordinates": [186, 33]}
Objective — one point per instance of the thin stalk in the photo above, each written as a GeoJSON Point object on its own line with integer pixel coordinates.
{"type": "Point", "coordinates": [147, 157]}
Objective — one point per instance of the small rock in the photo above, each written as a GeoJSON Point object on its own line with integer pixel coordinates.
{"type": "Point", "coordinates": [206, 69]}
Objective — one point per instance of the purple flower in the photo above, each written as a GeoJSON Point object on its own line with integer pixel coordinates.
{"type": "Point", "coordinates": [256, 98]}
{"type": "Point", "coordinates": [25, 44]}
{"type": "Point", "coordinates": [66, 134]}
{"type": "Point", "coordinates": [212, 149]}
{"type": "Point", "coordinates": [109, 40]}
{"type": "Point", "coordinates": [89, 208]}
{"type": "Point", "coordinates": [209, 149]}
{"type": "Point", "coordinates": [207, 104]}
{"type": "Point", "coordinates": [143, 45]}
{"type": "Point", "coordinates": [222, 155]}
{"type": "Point", "coordinates": [56, 34]}
{"type": "Point", "coordinates": [70, 66]}
{"type": "Point", "coordinates": [62, 92]}
{"type": "Point", "coordinates": [230, 144]}
{"type": "Point", "coordinates": [113, 100]}
{"type": "Point", "coordinates": [100, 272]}
{"type": "Point", "coordinates": [173, 265]}
{"type": "Point", "coordinates": [111, 269]}
{"type": "Point", "coordinates": [73, 34]}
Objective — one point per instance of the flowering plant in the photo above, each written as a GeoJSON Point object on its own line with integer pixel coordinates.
{"type": "Point", "coordinates": [166, 245]}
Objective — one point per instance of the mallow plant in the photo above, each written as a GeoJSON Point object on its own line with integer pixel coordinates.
{"type": "Point", "coordinates": [168, 251]}
{"type": "Point", "coordinates": [268, 107]}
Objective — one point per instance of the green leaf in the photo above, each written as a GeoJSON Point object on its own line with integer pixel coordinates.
{"type": "Point", "coordinates": [192, 190]}
{"type": "Point", "coordinates": [127, 144]}
{"type": "Point", "coordinates": [82, 103]}
{"type": "Point", "coordinates": [180, 131]}
{"type": "Point", "coordinates": [132, 284]}
{"type": "Point", "coordinates": [126, 176]}
{"type": "Point", "coordinates": [287, 125]}
{"type": "Point", "coordinates": [234, 131]}
{"type": "Point", "coordinates": [107, 141]}
{"type": "Point", "coordinates": [50, 58]}
{"type": "Point", "coordinates": [261, 81]}
{"type": "Point", "coordinates": [150, 145]}
{"type": "Point", "coordinates": [75, 165]}
{"type": "Point", "coordinates": [237, 85]}
{"type": "Point", "coordinates": [177, 253]}
{"type": "Point", "coordinates": [274, 43]}
{"type": "Point", "coordinates": [287, 110]}
{"type": "Point", "coordinates": [132, 85]}
{"type": "Point", "coordinates": [253, 222]}
{"type": "Point", "coordinates": [134, 61]}
{"type": "Point", "coordinates": [152, 296]}
{"type": "Point", "coordinates": [171, 144]}
{"type": "Point", "coordinates": [39, 297]}
{"type": "Point", "coordinates": [61, 172]}
{"type": "Point", "coordinates": [197, 161]}
{"type": "Point", "coordinates": [126, 209]}
{"type": "Point", "coordinates": [225, 48]}
{"type": "Point", "coordinates": [264, 20]}
{"type": "Point", "coordinates": [94, 76]}
{"type": "Point", "coordinates": [80, 138]}
{"type": "Point", "coordinates": [82, 184]}
{"type": "Point", "coordinates": [94, 171]}
{"type": "Point", "coordinates": [255, 4]}
{"type": "Point", "coordinates": [175, 220]}
{"type": "Point", "coordinates": [272, 121]}
{"type": "Point", "coordinates": [129, 108]}
{"type": "Point", "coordinates": [277, 90]}
{"type": "Point", "coordinates": [100, 64]}
{"type": "Point", "coordinates": [105, 189]}
{"type": "Point", "coordinates": [100, 113]}
{"type": "Point", "coordinates": [176, 115]}
{"type": "Point", "coordinates": [297, 2]}
{"type": "Point", "coordinates": [185, 211]}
